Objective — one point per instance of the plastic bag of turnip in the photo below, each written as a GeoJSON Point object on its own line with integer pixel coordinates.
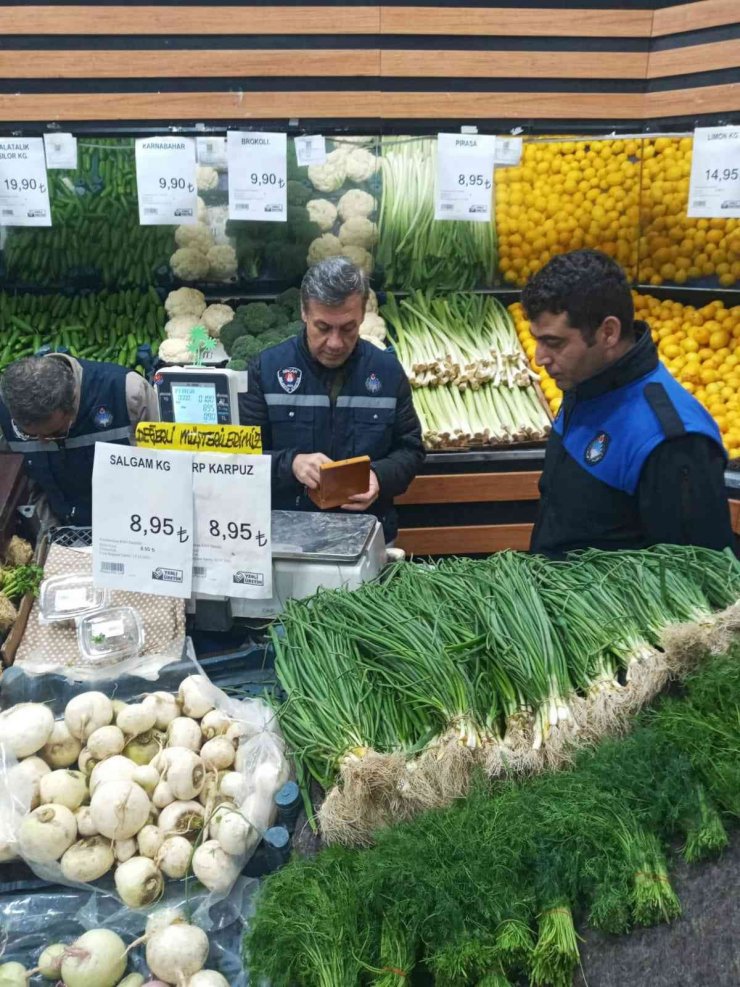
{"type": "Point", "coordinates": [139, 788]}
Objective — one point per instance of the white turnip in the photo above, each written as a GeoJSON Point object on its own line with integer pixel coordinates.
{"type": "Point", "coordinates": [207, 978]}
{"type": "Point", "coordinates": [85, 824]}
{"type": "Point", "coordinates": [106, 742]}
{"type": "Point", "coordinates": [218, 753]}
{"type": "Point", "coordinates": [136, 719]}
{"type": "Point", "coordinates": [125, 849]}
{"type": "Point", "coordinates": [116, 768]}
{"type": "Point", "coordinates": [173, 857]}
{"type": "Point", "coordinates": [50, 961]}
{"type": "Point", "coordinates": [181, 818]}
{"type": "Point", "coordinates": [146, 777]}
{"type": "Point", "coordinates": [46, 833]}
{"type": "Point", "coordinates": [213, 867]}
{"type": "Point", "coordinates": [63, 787]}
{"type": "Point", "coordinates": [177, 952]}
{"type": "Point", "coordinates": [165, 707]}
{"type": "Point", "coordinates": [24, 779]}
{"type": "Point", "coordinates": [97, 959]}
{"type": "Point", "coordinates": [143, 749]}
{"type": "Point", "coordinates": [13, 975]}
{"type": "Point", "coordinates": [163, 795]}
{"type": "Point", "coordinates": [139, 882]}
{"type": "Point", "coordinates": [214, 724]}
{"type": "Point", "coordinates": [86, 713]}
{"type": "Point", "coordinates": [195, 696]}
{"type": "Point", "coordinates": [234, 786]}
{"type": "Point", "coordinates": [87, 860]}
{"type": "Point", "coordinates": [61, 750]}
{"type": "Point", "coordinates": [184, 732]}
{"type": "Point", "coordinates": [184, 774]}
{"type": "Point", "coordinates": [25, 728]}
{"type": "Point", "coordinates": [236, 836]}
{"type": "Point", "coordinates": [119, 809]}
{"type": "Point", "coordinates": [149, 840]}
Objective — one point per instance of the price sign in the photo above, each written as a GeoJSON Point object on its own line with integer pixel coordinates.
{"type": "Point", "coordinates": [257, 176]}
{"type": "Point", "coordinates": [165, 178]}
{"type": "Point", "coordinates": [714, 188]}
{"type": "Point", "coordinates": [310, 150]}
{"type": "Point", "coordinates": [24, 189]}
{"type": "Point", "coordinates": [212, 152]}
{"type": "Point", "coordinates": [233, 546]}
{"type": "Point", "coordinates": [61, 151]}
{"type": "Point", "coordinates": [508, 150]}
{"type": "Point", "coordinates": [143, 520]}
{"type": "Point", "coordinates": [464, 177]}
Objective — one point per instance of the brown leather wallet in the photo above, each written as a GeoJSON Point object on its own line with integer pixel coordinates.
{"type": "Point", "coordinates": [341, 480]}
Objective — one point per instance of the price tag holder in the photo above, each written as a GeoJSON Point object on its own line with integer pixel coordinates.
{"type": "Point", "coordinates": [142, 520]}
{"type": "Point", "coordinates": [465, 177]}
{"type": "Point", "coordinates": [24, 188]}
{"type": "Point", "coordinates": [310, 150]}
{"type": "Point", "coordinates": [233, 545]}
{"type": "Point", "coordinates": [165, 179]}
{"type": "Point", "coordinates": [714, 187]}
{"type": "Point", "coordinates": [61, 151]}
{"type": "Point", "coordinates": [508, 151]}
{"type": "Point", "coordinates": [212, 152]}
{"type": "Point", "coordinates": [257, 176]}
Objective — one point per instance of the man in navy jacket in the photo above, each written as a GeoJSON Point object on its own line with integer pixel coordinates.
{"type": "Point", "coordinates": [633, 459]}
{"type": "Point", "coordinates": [326, 395]}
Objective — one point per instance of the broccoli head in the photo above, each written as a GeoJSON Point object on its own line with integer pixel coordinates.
{"type": "Point", "coordinates": [236, 365]}
{"type": "Point", "coordinates": [257, 317]}
{"type": "Point", "coordinates": [271, 338]}
{"type": "Point", "coordinates": [298, 193]}
{"type": "Point", "coordinates": [293, 329]}
{"type": "Point", "coordinates": [288, 260]}
{"type": "Point", "coordinates": [290, 300]}
{"type": "Point", "coordinates": [231, 332]}
{"type": "Point", "coordinates": [301, 226]}
{"type": "Point", "coordinates": [246, 347]}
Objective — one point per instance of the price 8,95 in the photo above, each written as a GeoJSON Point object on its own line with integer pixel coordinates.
{"type": "Point", "coordinates": [155, 525]}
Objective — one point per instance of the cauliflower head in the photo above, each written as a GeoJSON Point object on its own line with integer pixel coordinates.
{"type": "Point", "coordinates": [189, 264]}
{"type": "Point", "coordinates": [185, 301]}
{"type": "Point", "coordinates": [181, 326]}
{"type": "Point", "coordinates": [372, 302]}
{"type": "Point", "coordinates": [322, 212]}
{"type": "Point", "coordinates": [358, 232]}
{"type": "Point", "coordinates": [201, 212]}
{"type": "Point", "coordinates": [356, 202]}
{"type": "Point", "coordinates": [216, 316]}
{"type": "Point", "coordinates": [174, 351]}
{"type": "Point", "coordinates": [324, 246]}
{"type": "Point", "coordinates": [331, 175]}
{"type": "Point", "coordinates": [206, 178]}
{"type": "Point", "coordinates": [198, 235]}
{"type": "Point", "coordinates": [360, 165]}
{"type": "Point", "coordinates": [360, 257]}
{"type": "Point", "coordinates": [374, 340]}
{"type": "Point", "coordinates": [373, 325]}
{"type": "Point", "coordinates": [222, 262]}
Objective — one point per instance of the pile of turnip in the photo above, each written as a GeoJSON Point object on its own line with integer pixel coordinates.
{"type": "Point", "coordinates": [148, 790]}
{"type": "Point", "coordinates": [176, 953]}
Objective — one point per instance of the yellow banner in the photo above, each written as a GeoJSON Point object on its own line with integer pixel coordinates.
{"type": "Point", "coordinates": [200, 438]}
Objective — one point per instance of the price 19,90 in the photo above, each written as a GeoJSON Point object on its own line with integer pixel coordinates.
{"type": "Point", "coordinates": [24, 185]}
{"type": "Point", "coordinates": [473, 181]}
{"type": "Point", "coordinates": [266, 178]}
{"type": "Point", "coordinates": [722, 174]}
{"type": "Point", "coordinates": [175, 184]}
{"type": "Point", "coordinates": [157, 526]}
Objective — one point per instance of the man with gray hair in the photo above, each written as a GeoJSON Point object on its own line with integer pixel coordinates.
{"type": "Point", "coordinates": [326, 395]}
{"type": "Point", "coordinates": [54, 409]}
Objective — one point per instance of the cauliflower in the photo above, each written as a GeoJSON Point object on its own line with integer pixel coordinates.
{"type": "Point", "coordinates": [374, 340]}
{"type": "Point", "coordinates": [329, 176]}
{"type": "Point", "coordinates": [360, 165]}
{"type": "Point", "coordinates": [206, 178]}
{"type": "Point", "coordinates": [322, 212]}
{"type": "Point", "coordinates": [324, 246]}
{"type": "Point", "coordinates": [358, 232]}
{"type": "Point", "coordinates": [216, 220]}
{"type": "Point", "coordinates": [356, 203]}
{"type": "Point", "coordinates": [198, 236]}
{"type": "Point", "coordinates": [216, 316]}
{"type": "Point", "coordinates": [222, 262]}
{"type": "Point", "coordinates": [201, 211]}
{"type": "Point", "coordinates": [372, 302]}
{"type": "Point", "coordinates": [189, 264]}
{"type": "Point", "coordinates": [185, 301]}
{"type": "Point", "coordinates": [359, 256]}
{"type": "Point", "coordinates": [181, 326]}
{"type": "Point", "coordinates": [174, 351]}
{"type": "Point", "coordinates": [373, 325]}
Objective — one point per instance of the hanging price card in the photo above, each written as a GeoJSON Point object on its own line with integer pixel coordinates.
{"type": "Point", "coordinates": [714, 188]}
{"type": "Point", "coordinates": [464, 177]}
{"type": "Point", "coordinates": [310, 150]}
{"type": "Point", "coordinates": [212, 152]}
{"type": "Point", "coordinates": [233, 548]}
{"type": "Point", "coordinates": [508, 150]}
{"type": "Point", "coordinates": [165, 178]}
{"type": "Point", "coordinates": [61, 151]}
{"type": "Point", "coordinates": [143, 520]}
{"type": "Point", "coordinates": [257, 176]}
{"type": "Point", "coordinates": [24, 190]}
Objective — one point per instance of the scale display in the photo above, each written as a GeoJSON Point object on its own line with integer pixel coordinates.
{"type": "Point", "coordinates": [195, 403]}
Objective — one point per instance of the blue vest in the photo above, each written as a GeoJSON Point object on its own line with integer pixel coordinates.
{"type": "Point", "coordinates": [63, 470]}
{"type": "Point", "coordinates": [612, 435]}
{"type": "Point", "coordinates": [302, 415]}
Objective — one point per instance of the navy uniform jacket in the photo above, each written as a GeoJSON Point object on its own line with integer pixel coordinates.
{"type": "Point", "coordinates": [363, 408]}
{"type": "Point", "coordinates": [633, 460]}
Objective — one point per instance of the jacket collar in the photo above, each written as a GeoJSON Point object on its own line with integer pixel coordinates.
{"type": "Point", "coordinates": [637, 362]}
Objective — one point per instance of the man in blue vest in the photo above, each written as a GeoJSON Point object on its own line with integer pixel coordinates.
{"type": "Point", "coordinates": [633, 459]}
{"type": "Point", "coordinates": [54, 409]}
{"type": "Point", "coordinates": [326, 395]}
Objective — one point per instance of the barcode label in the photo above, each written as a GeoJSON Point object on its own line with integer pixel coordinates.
{"type": "Point", "coordinates": [7, 212]}
{"type": "Point", "coordinates": [446, 205]}
{"type": "Point", "coordinates": [199, 570]}
{"type": "Point", "coordinates": [244, 206]}
{"type": "Point", "coordinates": [150, 211]}
{"type": "Point", "coordinates": [117, 567]}
{"type": "Point", "coordinates": [700, 203]}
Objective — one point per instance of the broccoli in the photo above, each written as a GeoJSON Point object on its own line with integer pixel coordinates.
{"type": "Point", "coordinates": [237, 365]}
{"type": "Point", "coordinates": [231, 332]}
{"type": "Point", "coordinates": [246, 347]}
{"type": "Point", "coordinates": [298, 193]}
{"type": "Point", "coordinates": [271, 338]}
{"type": "Point", "coordinates": [257, 317]}
{"type": "Point", "coordinates": [290, 300]}
{"type": "Point", "coordinates": [293, 328]}
{"type": "Point", "coordinates": [282, 316]}
{"type": "Point", "coordinates": [302, 228]}
{"type": "Point", "coordinates": [287, 259]}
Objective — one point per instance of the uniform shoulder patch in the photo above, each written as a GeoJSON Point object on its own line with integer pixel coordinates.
{"type": "Point", "coordinates": [596, 449]}
{"type": "Point", "coordinates": [290, 379]}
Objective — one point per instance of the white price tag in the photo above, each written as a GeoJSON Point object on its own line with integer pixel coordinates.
{"type": "Point", "coordinates": [310, 150]}
{"type": "Point", "coordinates": [24, 188]}
{"type": "Point", "coordinates": [257, 176]}
{"type": "Point", "coordinates": [464, 177]}
{"type": "Point", "coordinates": [508, 151]}
{"type": "Point", "coordinates": [61, 151]}
{"type": "Point", "coordinates": [212, 152]}
{"type": "Point", "coordinates": [233, 548]}
{"type": "Point", "coordinates": [143, 520]}
{"type": "Point", "coordinates": [165, 178]}
{"type": "Point", "coordinates": [71, 599]}
{"type": "Point", "coordinates": [714, 189]}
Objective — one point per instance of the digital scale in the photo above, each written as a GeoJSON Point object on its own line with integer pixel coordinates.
{"type": "Point", "coordinates": [310, 549]}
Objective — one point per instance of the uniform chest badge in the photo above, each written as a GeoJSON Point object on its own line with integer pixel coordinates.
{"type": "Point", "coordinates": [103, 418]}
{"type": "Point", "coordinates": [290, 379]}
{"type": "Point", "coordinates": [596, 449]}
{"type": "Point", "coordinates": [373, 384]}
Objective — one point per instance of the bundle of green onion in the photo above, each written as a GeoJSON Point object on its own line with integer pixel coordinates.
{"type": "Point", "coordinates": [400, 690]}
{"type": "Point", "coordinates": [414, 248]}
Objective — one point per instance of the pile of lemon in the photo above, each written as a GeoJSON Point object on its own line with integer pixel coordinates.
{"type": "Point", "coordinates": [700, 347]}
{"type": "Point", "coordinates": [627, 197]}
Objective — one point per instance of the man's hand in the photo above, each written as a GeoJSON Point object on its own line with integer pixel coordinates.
{"type": "Point", "coordinates": [306, 468]}
{"type": "Point", "coordinates": [361, 502]}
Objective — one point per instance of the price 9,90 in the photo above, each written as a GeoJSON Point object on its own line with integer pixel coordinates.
{"type": "Point", "coordinates": [266, 178]}
{"type": "Point", "coordinates": [173, 184]}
